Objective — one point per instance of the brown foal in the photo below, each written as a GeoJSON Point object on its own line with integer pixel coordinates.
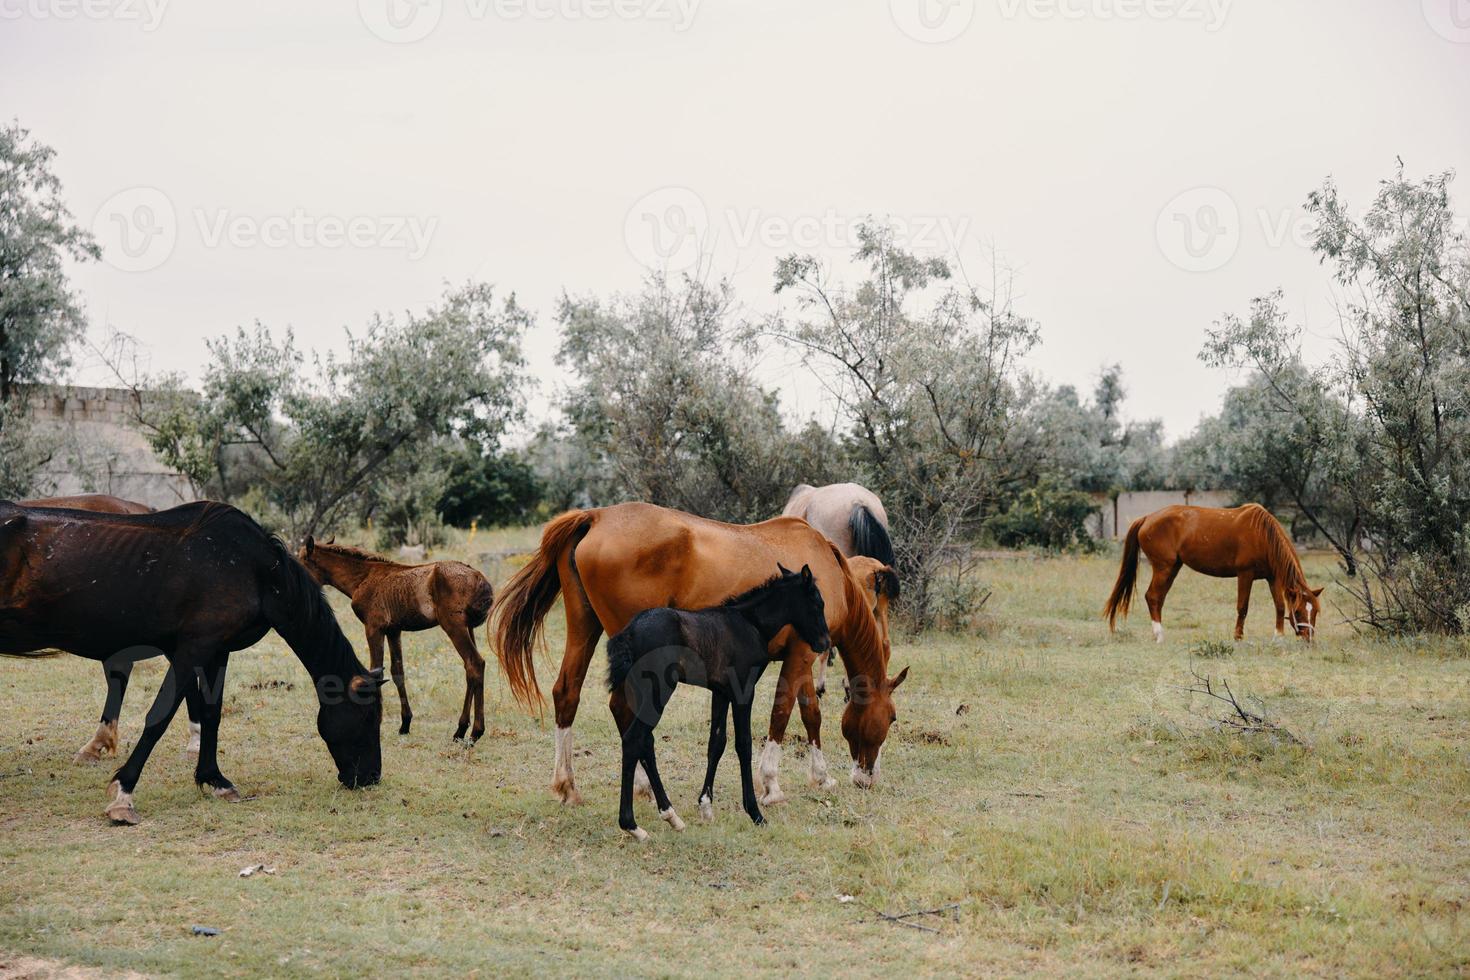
{"type": "Point", "coordinates": [390, 598]}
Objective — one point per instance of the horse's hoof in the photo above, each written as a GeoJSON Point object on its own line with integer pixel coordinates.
{"type": "Point", "coordinates": [758, 820]}
{"type": "Point", "coordinates": [825, 785]}
{"type": "Point", "coordinates": [88, 756]}
{"type": "Point", "coordinates": [567, 793]}
{"type": "Point", "coordinates": [227, 793]}
{"type": "Point", "coordinates": [706, 808]}
{"type": "Point", "coordinates": [120, 811]}
{"type": "Point", "coordinates": [639, 834]}
{"type": "Point", "coordinates": [773, 797]}
{"type": "Point", "coordinates": [671, 818]}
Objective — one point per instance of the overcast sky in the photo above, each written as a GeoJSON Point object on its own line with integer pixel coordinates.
{"type": "Point", "coordinates": [1141, 164]}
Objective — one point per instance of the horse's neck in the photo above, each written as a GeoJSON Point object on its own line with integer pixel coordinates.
{"type": "Point", "coordinates": [857, 640]}
{"type": "Point", "coordinates": [767, 618]}
{"type": "Point", "coordinates": [344, 572]}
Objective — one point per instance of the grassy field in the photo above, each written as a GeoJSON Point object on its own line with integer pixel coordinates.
{"type": "Point", "coordinates": [1060, 786]}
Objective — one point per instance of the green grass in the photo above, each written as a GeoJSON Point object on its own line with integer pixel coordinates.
{"type": "Point", "coordinates": [1058, 783]}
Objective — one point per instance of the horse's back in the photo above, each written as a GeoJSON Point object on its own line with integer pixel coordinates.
{"type": "Point", "coordinates": [1220, 541]}
{"type": "Point", "coordinates": [97, 503]}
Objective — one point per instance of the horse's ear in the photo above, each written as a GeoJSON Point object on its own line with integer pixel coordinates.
{"type": "Point", "coordinates": [309, 544]}
{"type": "Point", "coordinates": [893, 682]}
{"type": "Point", "coordinates": [782, 569]}
{"type": "Point", "coordinates": [1318, 591]}
{"type": "Point", "coordinates": [806, 573]}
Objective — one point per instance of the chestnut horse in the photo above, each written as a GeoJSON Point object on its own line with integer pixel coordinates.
{"type": "Point", "coordinates": [612, 563]}
{"type": "Point", "coordinates": [879, 585]}
{"type": "Point", "coordinates": [390, 598]}
{"type": "Point", "coordinates": [1245, 543]}
{"type": "Point", "coordinates": [115, 673]}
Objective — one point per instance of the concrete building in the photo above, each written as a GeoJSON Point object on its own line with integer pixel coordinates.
{"type": "Point", "coordinates": [1114, 515]}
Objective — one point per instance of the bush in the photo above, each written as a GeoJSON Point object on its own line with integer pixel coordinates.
{"type": "Point", "coordinates": [493, 490]}
{"type": "Point", "coordinates": [1045, 516]}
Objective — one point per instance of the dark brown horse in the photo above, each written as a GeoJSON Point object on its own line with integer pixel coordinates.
{"type": "Point", "coordinates": [1244, 543]}
{"type": "Point", "coordinates": [609, 564]}
{"type": "Point", "coordinates": [193, 584]}
{"type": "Point", "coordinates": [391, 598]}
{"type": "Point", "coordinates": [114, 674]}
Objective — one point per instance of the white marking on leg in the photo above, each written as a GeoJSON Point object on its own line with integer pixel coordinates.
{"type": "Point", "coordinates": [562, 783]}
{"type": "Point", "coordinates": [642, 789]}
{"type": "Point", "coordinates": [671, 818]}
{"type": "Point", "coordinates": [818, 776]}
{"type": "Point", "coordinates": [120, 808]}
{"type": "Point", "coordinates": [1158, 631]}
{"type": "Point", "coordinates": [768, 770]}
{"type": "Point", "coordinates": [706, 807]}
{"type": "Point", "coordinates": [861, 778]}
{"type": "Point", "coordinates": [639, 834]}
{"type": "Point", "coordinates": [192, 745]}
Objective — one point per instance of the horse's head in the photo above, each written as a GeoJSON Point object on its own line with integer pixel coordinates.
{"type": "Point", "coordinates": [1303, 604]}
{"type": "Point", "coordinates": [806, 609]}
{"type": "Point", "coordinates": [349, 721]}
{"type": "Point", "coordinates": [865, 723]}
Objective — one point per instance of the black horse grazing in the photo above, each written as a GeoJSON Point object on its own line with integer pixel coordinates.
{"type": "Point", "coordinates": [193, 584]}
{"type": "Point", "coordinates": [724, 649]}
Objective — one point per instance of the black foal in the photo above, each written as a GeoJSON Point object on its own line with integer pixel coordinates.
{"type": "Point", "coordinates": [723, 649]}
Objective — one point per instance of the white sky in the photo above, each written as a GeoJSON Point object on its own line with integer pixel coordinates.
{"type": "Point", "coordinates": [538, 144]}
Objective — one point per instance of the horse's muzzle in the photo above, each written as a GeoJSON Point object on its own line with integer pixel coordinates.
{"type": "Point", "coordinates": [359, 779]}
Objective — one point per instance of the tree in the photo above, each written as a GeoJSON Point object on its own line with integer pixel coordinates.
{"type": "Point", "coordinates": [930, 398]}
{"type": "Point", "coordinates": [1401, 377]}
{"type": "Point", "coordinates": [40, 317]}
{"type": "Point", "coordinates": [315, 446]}
{"type": "Point", "coordinates": [664, 400]}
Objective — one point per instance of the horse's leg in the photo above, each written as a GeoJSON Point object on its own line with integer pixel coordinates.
{"type": "Point", "coordinates": [1278, 596]}
{"type": "Point", "coordinates": [1242, 601]}
{"type": "Point", "coordinates": [637, 729]}
{"type": "Point", "coordinates": [207, 698]}
{"type": "Point", "coordinates": [632, 751]}
{"type": "Point", "coordinates": [1163, 579]}
{"type": "Point", "coordinates": [115, 676]}
{"type": "Point", "coordinates": [192, 742]}
{"type": "Point", "coordinates": [811, 717]}
{"type": "Point", "coordinates": [474, 680]}
{"type": "Point", "coordinates": [656, 786]}
{"type": "Point", "coordinates": [742, 751]}
{"type": "Point", "coordinates": [125, 780]}
{"type": "Point", "coordinates": [583, 632]}
{"type": "Point", "coordinates": [770, 765]}
{"type": "Point", "coordinates": [719, 710]}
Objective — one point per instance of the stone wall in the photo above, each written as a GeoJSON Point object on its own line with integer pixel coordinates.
{"type": "Point", "coordinates": [99, 449]}
{"type": "Point", "coordinates": [1113, 517]}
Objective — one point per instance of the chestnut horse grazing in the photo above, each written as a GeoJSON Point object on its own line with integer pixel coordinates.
{"type": "Point", "coordinates": [390, 598]}
{"type": "Point", "coordinates": [194, 584]}
{"type": "Point", "coordinates": [724, 649]}
{"type": "Point", "coordinates": [1244, 543]}
{"type": "Point", "coordinates": [115, 673]}
{"type": "Point", "coordinates": [879, 584]}
{"type": "Point", "coordinates": [612, 563]}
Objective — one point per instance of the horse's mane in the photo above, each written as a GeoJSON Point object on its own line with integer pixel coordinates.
{"type": "Point", "coordinates": [859, 633]}
{"type": "Point", "coordinates": [1286, 566]}
{"type": "Point", "coordinates": [348, 551]}
{"type": "Point", "coordinates": [752, 594]}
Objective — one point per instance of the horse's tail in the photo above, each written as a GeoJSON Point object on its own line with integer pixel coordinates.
{"type": "Point", "coordinates": [869, 536]}
{"type": "Point", "coordinates": [1122, 596]}
{"type": "Point", "coordinates": [525, 601]}
{"type": "Point", "coordinates": [620, 659]}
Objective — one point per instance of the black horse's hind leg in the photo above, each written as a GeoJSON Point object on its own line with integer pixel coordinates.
{"type": "Point", "coordinates": [652, 697]}
{"type": "Point", "coordinates": [719, 711]}
{"type": "Point", "coordinates": [115, 676]}
{"type": "Point", "coordinates": [165, 705]}
{"type": "Point", "coordinates": [742, 750]}
{"type": "Point", "coordinates": [660, 798]}
{"type": "Point", "coordinates": [207, 698]}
